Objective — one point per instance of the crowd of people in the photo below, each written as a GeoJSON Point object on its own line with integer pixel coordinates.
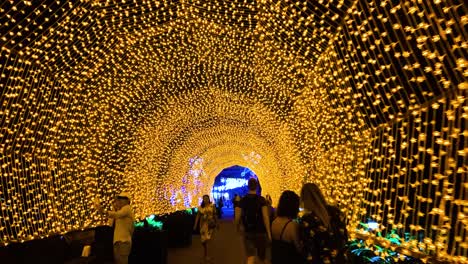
{"type": "Point", "coordinates": [269, 235]}
{"type": "Point", "coordinates": [279, 235]}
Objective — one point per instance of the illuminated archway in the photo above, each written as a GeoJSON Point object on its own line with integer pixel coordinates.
{"type": "Point", "coordinates": [233, 180]}
{"type": "Point", "coordinates": [103, 96]}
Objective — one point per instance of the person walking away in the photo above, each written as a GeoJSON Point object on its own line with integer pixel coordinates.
{"type": "Point", "coordinates": [220, 208]}
{"type": "Point", "coordinates": [286, 246]}
{"type": "Point", "coordinates": [208, 221]}
{"type": "Point", "coordinates": [253, 223]}
{"type": "Point", "coordinates": [324, 228]}
{"type": "Point", "coordinates": [271, 210]}
{"type": "Point", "coordinates": [123, 220]}
{"type": "Point", "coordinates": [236, 200]}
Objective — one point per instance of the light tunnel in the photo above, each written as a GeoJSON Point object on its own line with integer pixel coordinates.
{"type": "Point", "coordinates": [365, 98]}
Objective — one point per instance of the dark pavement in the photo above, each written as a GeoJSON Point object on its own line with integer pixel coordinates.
{"type": "Point", "coordinates": [225, 248]}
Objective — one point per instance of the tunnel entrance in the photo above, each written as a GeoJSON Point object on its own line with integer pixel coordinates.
{"type": "Point", "coordinates": [228, 183]}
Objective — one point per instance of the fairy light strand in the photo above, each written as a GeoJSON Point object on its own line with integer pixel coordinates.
{"type": "Point", "coordinates": [366, 98]}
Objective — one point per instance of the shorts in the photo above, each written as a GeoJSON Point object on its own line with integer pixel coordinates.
{"type": "Point", "coordinates": [256, 244]}
{"type": "Point", "coordinates": [122, 251]}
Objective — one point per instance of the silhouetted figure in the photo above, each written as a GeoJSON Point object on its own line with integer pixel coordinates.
{"type": "Point", "coordinates": [271, 210]}
{"type": "Point", "coordinates": [236, 200]}
{"type": "Point", "coordinates": [286, 246]}
{"type": "Point", "coordinates": [253, 223]}
{"type": "Point", "coordinates": [324, 228]}
{"type": "Point", "coordinates": [220, 207]}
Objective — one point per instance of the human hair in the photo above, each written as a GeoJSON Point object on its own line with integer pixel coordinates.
{"type": "Point", "coordinates": [288, 205]}
{"type": "Point", "coordinates": [203, 200]}
{"type": "Point", "coordinates": [315, 202]}
{"type": "Point", "coordinates": [126, 200]}
{"type": "Point", "coordinates": [252, 184]}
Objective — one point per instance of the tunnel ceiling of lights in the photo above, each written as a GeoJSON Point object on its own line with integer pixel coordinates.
{"type": "Point", "coordinates": [365, 98]}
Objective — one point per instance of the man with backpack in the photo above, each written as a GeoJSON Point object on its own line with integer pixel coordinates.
{"type": "Point", "coordinates": [253, 222]}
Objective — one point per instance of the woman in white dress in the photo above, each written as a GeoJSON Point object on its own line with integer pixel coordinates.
{"type": "Point", "coordinates": [208, 222]}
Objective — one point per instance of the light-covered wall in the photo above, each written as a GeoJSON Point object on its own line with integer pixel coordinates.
{"type": "Point", "coordinates": [365, 98]}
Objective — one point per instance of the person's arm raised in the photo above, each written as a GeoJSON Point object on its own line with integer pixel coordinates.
{"type": "Point", "coordinates": [266, 220]}
{"type": "Point", "coordinates": [237, 218]}
{"type": "Point", "coordinates": [123, 212]}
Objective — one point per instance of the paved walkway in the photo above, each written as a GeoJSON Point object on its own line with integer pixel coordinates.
{"type": "Point", "coordinates": [225, 248]}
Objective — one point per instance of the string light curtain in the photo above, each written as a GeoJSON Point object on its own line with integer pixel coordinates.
{"type": "Point", "coordinates": [208, 127]}
{"type": "Point", "coordinates": [406, 65]}
{"type": "Point", "coordinates": [365, 98]}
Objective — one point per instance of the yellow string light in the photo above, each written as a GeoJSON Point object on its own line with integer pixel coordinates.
{"type": "Point", "coordinates": [366, 98]}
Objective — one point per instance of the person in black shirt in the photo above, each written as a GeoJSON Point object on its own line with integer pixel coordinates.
{"type": "Point", "coordinates": [220, 207]}
{"type": "Point", "coordinates": [253, 223]}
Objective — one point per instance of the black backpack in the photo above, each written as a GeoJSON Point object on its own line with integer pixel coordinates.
{"type": "Point", "coordinates": [252, 218]}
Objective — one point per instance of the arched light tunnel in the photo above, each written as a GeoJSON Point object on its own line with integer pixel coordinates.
{"type": "Point", "coordinates": [365, 98]}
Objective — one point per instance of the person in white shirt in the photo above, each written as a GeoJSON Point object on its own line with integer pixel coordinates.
{"type": "Point", "coordinates": [123, 220]}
